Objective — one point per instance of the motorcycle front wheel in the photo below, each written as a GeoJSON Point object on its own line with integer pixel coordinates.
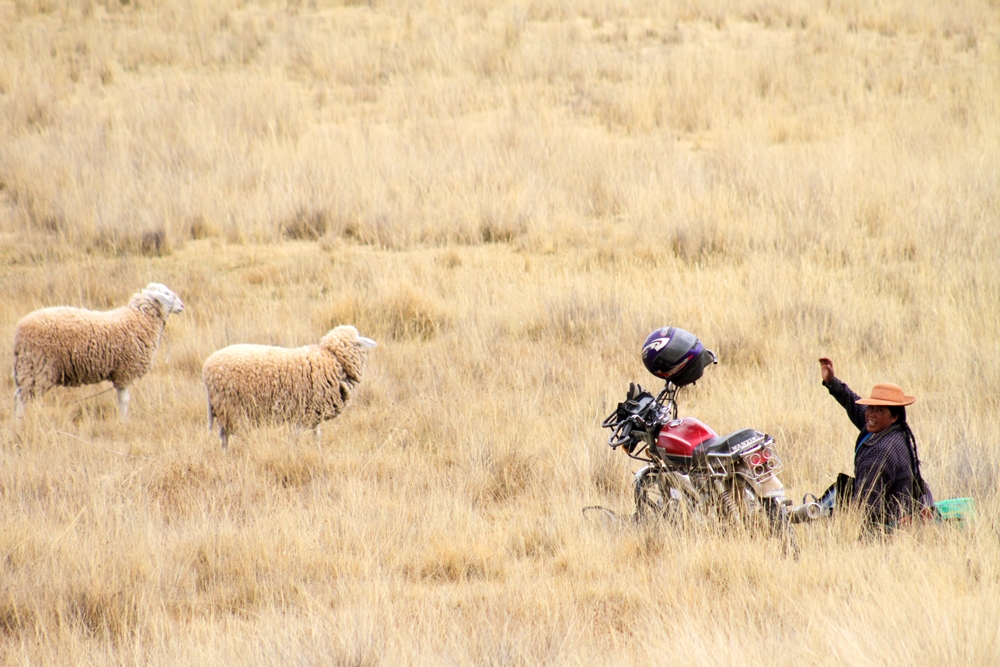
{"type": "Point", "coordinates": [657, 497]}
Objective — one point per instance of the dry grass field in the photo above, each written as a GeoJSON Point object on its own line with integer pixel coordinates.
{"type": "Point", "coordinates": [507, 196]}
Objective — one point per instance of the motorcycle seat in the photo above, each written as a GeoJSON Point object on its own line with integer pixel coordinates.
{"type": "Point", "coordinates": [728, 444]}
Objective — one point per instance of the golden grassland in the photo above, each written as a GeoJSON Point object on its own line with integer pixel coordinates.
{"type": "Point", "coordinates": [508, 196]}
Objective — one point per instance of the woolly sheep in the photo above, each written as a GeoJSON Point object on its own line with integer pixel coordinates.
{"type": "Point", "coordinates": [304, 385]}
{"type": "Point", "coordinates": [70, 347]}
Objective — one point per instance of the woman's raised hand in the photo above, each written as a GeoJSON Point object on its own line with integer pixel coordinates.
{"type": "Point", "coordinates": [826, 369]}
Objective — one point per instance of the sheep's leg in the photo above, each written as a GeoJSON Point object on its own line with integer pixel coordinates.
{"type": "Point", "coordinates": [211, 415]}
{"type": "Point", "coordinates": [26, 388]}
{"type": "Point", "coordinates": [224, 436]}
{"type": "Point", "coordinates": [316, 434]}
{"type": "Point", "coordinates": [123, 399]}
{"type": "Point", "coordinates": [19, 404]}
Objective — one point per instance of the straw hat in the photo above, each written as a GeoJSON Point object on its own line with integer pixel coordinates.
{"type": "Point", "coordinates": [887, 393]}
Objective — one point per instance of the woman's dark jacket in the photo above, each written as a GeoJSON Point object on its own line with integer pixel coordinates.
{"type": "Point", "coordinates": [883, 469]}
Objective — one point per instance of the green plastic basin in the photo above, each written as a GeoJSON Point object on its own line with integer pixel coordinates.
{"type": "Point", "coordinates": [956, 509]}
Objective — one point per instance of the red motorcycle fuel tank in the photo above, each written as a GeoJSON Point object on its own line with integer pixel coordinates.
{"type": "Point", "coordinates": [680, 436]}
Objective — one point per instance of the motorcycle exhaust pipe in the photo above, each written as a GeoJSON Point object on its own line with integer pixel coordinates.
{"type": "Point", "coordinates": [805, 512]}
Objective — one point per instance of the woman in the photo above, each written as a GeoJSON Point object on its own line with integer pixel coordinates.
{"type": "Point", "coordinates": [887, 483]}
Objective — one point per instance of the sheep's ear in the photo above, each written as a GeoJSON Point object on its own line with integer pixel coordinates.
{"type": "Point", "coordinates": [366, 343]}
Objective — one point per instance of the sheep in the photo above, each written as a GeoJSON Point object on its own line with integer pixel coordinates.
{"type": "Point", "coordinates": [304, 386]}
{"type": "Point", "coordinates": [70, 347]}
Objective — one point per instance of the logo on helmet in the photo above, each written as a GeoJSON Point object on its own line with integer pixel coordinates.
{"type": "Point", "coordinates": [655, 346]}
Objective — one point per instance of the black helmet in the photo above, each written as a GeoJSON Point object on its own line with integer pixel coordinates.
{"type": "Point", "coordinates": [675, 355]}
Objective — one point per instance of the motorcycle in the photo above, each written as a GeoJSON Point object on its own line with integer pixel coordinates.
{"type": "Point", "coordinates": [692, 475]}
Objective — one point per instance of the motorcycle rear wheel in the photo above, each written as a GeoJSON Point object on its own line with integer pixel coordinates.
{"type": "Point", "coordinates": [744, 508]}
{"type": "Point", "coordinates": [764, 515]}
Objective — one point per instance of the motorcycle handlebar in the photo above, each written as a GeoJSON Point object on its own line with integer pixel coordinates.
{"type": "Point", "coordinates": [621, 435]}
{"type": "Point", "coordinates": [627, 417]}
{"type": "Point", "coordinates": [623, 432]}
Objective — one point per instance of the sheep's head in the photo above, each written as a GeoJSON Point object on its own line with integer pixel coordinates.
{"type": "Point", "coordinates": [167, 301]}
{"type": "Point", "coordinates": [350, 348]}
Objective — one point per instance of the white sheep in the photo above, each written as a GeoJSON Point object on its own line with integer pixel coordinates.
{"type": "Point", "coordinates": [70, 347]}
{"type": "Point", "coordinates": [264, 384]}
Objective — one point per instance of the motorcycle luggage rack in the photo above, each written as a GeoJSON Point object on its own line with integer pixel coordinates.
{"type": "Point", "coordinates": [719, 465]}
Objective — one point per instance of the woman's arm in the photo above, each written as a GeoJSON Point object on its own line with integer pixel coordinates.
{"type": "Point", "coordinates": [843, 394]}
